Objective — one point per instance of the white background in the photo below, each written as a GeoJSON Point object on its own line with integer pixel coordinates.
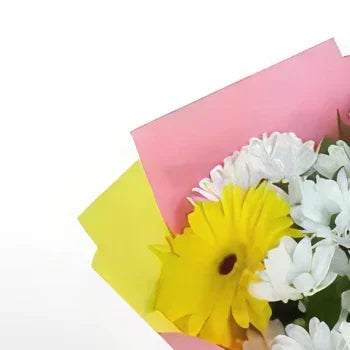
{"type": "Point", "coordinates": [75, 78]}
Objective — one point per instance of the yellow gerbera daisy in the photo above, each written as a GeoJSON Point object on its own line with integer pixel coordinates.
{"type": "Point", "coordinates": [205, 277]}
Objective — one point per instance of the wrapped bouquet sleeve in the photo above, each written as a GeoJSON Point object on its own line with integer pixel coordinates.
{"type": "Point", "coordinates": [136, 222]}
{"type": "Point", "coordinates": [301, 94]}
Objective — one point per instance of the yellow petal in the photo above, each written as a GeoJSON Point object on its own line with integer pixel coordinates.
{"type": "Point", "coordinates": [189, 284]}
{"type": "Point", "coordinates": [123, 222]}
{"type": "Point", "coordinates": [195, 292]}
{"type": "Point", "coordinates": [259, 313]}
{"type": "Point", "coordinates": [220, 327]}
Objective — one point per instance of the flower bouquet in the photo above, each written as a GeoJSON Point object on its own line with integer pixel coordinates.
{"type": "Point", "coordinates": [256, 254]}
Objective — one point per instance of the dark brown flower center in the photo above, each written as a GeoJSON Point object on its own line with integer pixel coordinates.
{"type": "Point", "coordinates": [227, 264]}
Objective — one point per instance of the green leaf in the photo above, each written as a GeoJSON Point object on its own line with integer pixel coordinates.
{"type": "Point", "coordinates": [282, 185]}
{"type": "Point", "coordinates": [297, 227]}
{"type": "Point", "coordinates": [286, 312]}
{"type": "Point", "coordinates": [313, 177]}
{"type": "Point", "coordinates": [326, 304]}
{"type": "Point", "coordinates": [346, 251]}
{"type": "Point", "coordinates": [332, 222]}
{"type": "Point", "coordinates": [343, 128]}
{"type": "Point", "coordinates": [325, 143]}
{"type": "Point", "coordinates": [335, 176]}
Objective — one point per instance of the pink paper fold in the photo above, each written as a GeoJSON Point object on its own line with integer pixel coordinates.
{"type": "Point", "coordinates": [301, 94]}
{"type": "Point", "coordinates": [183, 342]}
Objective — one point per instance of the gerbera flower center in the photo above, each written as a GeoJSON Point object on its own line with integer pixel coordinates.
{"type": "Point", "coordinates": [213, 262]}
{"type": "Point", "coordinates": [227, 264]}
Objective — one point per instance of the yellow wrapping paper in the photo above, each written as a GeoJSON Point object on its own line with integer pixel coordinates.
{"type": "Point", "coordinates": [123, 222]}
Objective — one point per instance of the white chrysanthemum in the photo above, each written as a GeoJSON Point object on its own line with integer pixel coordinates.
{"type": "Point", "coordinates": [276, 157]}
{"type": "Point", "coordinates": [340, 263]}
{"type": "Point", "coordinates": [322, 207]}
{"type": "Point", "coordinates": [293, 270]}
{"type": "Point", "coordinates": [342, 321]}
{"type": "Point", "coordinates": [338, 156]}
{"type": "Point", "coordinates": [320, 337]}
{"type": "Point", "coordinates": [344, 330]}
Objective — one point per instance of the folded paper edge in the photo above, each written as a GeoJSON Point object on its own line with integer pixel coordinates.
{"type": "Point", "coordinates": [244, 78]}
{"type": "Point", "coordinates": [154, 318]}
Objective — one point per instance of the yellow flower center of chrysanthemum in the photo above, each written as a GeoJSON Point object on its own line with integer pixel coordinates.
{"type": "Point", "coordinates": [203, 287]}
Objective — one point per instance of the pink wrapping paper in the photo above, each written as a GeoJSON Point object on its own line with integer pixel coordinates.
{"type": "Point", "coordinates": [183, 342]}
{"type": "Point", "coordinates": [301, 94]}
